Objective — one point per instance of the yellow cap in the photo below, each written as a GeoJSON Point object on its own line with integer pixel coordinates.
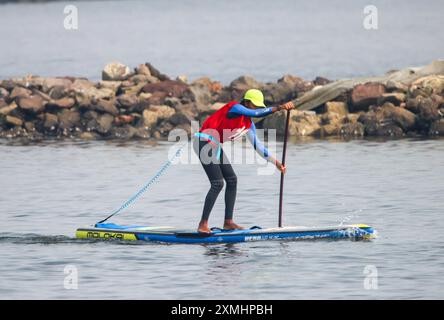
{"type": "Point", "coordinates": [256, 97]}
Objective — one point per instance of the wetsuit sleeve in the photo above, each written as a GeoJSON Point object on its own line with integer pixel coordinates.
{"type": "Point", "coordinates": [257, 144]}
{"type": "Point", "coordinates": [240, 110]}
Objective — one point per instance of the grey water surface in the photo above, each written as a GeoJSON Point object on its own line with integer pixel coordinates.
{"type": "Point", "coordinates": [49, 190]}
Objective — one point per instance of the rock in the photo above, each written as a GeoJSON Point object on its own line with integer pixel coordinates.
{"type": "Point", "coordinates": [301, 123]}
{"type": "Point", "coordinates": [351, 118]}
{"type": "Point", "coordinates": [33, 104]}
{"type": "Point", "coordinates": [131, 88]}
{"type": "Point", "coordinates": [426, 110]}
{"type": "Point", "coordinates": [320, 81]}
{"type": "Point", "coordinates": [437, 128]}
{"type": "Point", "coordinates": [51, 121]}
{"type": "Point", "coordinates": [304, 124]}
{"type": "Point", "coordinates": [8, 109]}
{"type": "Point", "coordinates": [179, 118]}
{"type": "Point", "coordinates": [64, 103]}
{"type": "Point", "coordinates": [364, 95]}
{"type": "Point", "coordinates": [127, 101]}
{"type": "Point", "coordinates": [331, 118]}
{"type": "Point", "coordinates": [88, 136]}
{"type": "Point", "coordinates": [89, 96]}
{"type": "Point", "coordinates": [329, 130]}
{"type": "Point", "coordinates": [106, 106]}
{"type": "Point", "coordinates": [29, 126]}
{"type": "Point", "coordinates": [115, 71]}
{"type": "Point", "coordinates": [4, 93]}
{"type": "Point", "coordinates": [155, 73]}
{"type": "Point", "coordinates": [169, 87]}
{"type": "Point", "coordinates": [19, 92]}
{"type": "Point", "coordinates": [143, 70]}
{"type": "Point", "coordinates": [389, 130]}
{"type": "Point", "coordinates": [401, 117]}
{"type": "Point", "coordinates": [277, 93]}
{"type": "Point", "coordinates": [156, 113]}
{"type": "Point", "coordinates": [396, 86]}
{"type": "Point", "coordinates": [82, 85]}
{"type": "Point", "coordinates": [140, 78]}
{"type": "Point", "coordinates": [50, 83]}
{"type": "Point", "coordinates": [14, 121]}
{"type": "Point", "coordinates": [57, 92]}
{"type": "Point", "coordinates": [432, 83]}
{"type": "Point", "coordinates": [352, 129]}
{"type": "Point", "coordinates": [142, 133]}
{"type": "Point", "coordinates": [394, 97]}
{"type": "Point", "coordinates": [239, 86]}
{"type": "Point", "coordinates": [124, 133]}
{"type": "Point", "coordinates": [104, 122]}
{"type": "Point", "coordinates": [201, 96]}
{"type": "Point", "coordinates": [2, 103]}
{"type": "Point", "coordinates": [337, 107]}
{"type": "Point", "coordinates": [182, 78]}
{"type": "Point", "coordinates": [113, 85]}
{"type": "Point", "coordinates": [68, 119]}
{"type": "Point", "coordinates": [124, 119]}
{"type": "Point", "coordinates": [296, 84]}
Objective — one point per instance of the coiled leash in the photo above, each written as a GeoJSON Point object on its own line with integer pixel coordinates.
{"type": "Point", "coordinates": [147, 185]}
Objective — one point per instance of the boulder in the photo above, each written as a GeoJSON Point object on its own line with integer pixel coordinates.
{"type": "Point", "coordinates": [125, 133]}
{"type": "Point", "coordinates": [389, 130]}
{"type": "Point", "coordinates": [115, 71]}
{"type": "Point", "coordinates": [352, 129]}
{"type": "Point", "coordinates": [14, 121]}
{"type": "Point", "coordinates": [127, 101]}
{"type": "Point", "coordinates": [34, 104]}
{"type": "Point", "coordinates": [329, 129]}
{"type": "Point", "coordinates": [19, 92]}
{"type": "Point", "coordinates": [57, 92]}
{"type": "Point", "coordinates": [365, 95]}
{"type": "Point", "coordinates": [63, 103]}
{"type": "Point", "coordinates": [393, 97]}
{"type": "Point", "coordinates": [156, 73]}
{"type": "Point", "coordinates": [124, 119]}
{"type": "Point", "coordinates": [239, 86]}
{"type": "Point", "coordinates": [142, 133]}
{"type": "Point", "coordinates": [320, 81]}
{"type": "Point", "coordinates": [4, 93]}
{"type": "Point", "coordinates": [88, 96]}
{"type": "Point", "coordinates": [140, 78]}
{"type": "Point", "coordinates": [51, 121]}
{"type": "Point", "coordinates": [301, 123]}
{"type": "Point", "coordinates": [432, 83]}
{"type": "Point", "coordinates": [104, 123]}
{"type": "Point", "coordinates": [201, 95]}
{"type": "Point", "coordinates": [113, 85]}
{"type": "Point", "coordinates": [154, 114]}
{"type": "Point", "coordinates": [106, 106]}
{"type": "Point", "coordinates": [170, 88]}
{"type": "Point", "coordinates": [337, 107]}
{"type": "Point", "coordinates": [182, 78]}
{"type": "Point", "coordinates": [50, 83]}
{"type": "Point", "coordinates": [143, 70]}
{"type": "Point", "coordinates": [331, 118]}
{"type": "Point", "coordinates": [68, 119]}
{"type": "Point", "coordinates": [8, 109]}
{"type": "Point", "coordinates": [179, 118]}
{"type": "Point", "coordinates": [277, 93]}
{"type": "Point", "coordinates": [401, 117]}
{"type": "Point", "coordinates": [437, 128]}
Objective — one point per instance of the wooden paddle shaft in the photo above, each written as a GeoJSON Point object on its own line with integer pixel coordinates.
{"type": "Point", "coordinates": [281, 194]}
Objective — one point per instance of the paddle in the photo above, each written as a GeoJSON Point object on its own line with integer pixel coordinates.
{"type": "Point", "coordinates": [283, 163]}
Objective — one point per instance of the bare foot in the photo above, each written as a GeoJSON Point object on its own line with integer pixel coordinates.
{"type": "Point", "coordinates": [230, 225]}
{"type": "Point", "coordinates": [203, 227]}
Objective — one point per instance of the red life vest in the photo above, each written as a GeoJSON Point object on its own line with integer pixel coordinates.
{"type": "Point", "coordinates": [222, 128]}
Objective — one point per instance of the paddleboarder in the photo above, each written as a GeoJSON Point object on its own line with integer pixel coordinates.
{"type": "Point", "coordinates": [230, 122]}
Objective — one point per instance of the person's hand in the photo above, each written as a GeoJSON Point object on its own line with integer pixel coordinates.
{"type": "Point", "coordinates": [281, 167]}
{"type": "Point", "coordinates": [287, 106]}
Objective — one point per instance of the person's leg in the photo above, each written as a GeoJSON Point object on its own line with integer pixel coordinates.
{"type": "Point", "coordinates": [214, 173]}
{"type": "Point", "coordinates": [230, 192]}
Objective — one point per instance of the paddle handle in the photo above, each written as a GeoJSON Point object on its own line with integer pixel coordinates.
{"type": "Point", "coordinates": [284, 152]}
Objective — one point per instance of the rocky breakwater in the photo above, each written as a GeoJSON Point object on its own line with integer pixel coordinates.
{"type": "Point", "coordinates": [145, 104]}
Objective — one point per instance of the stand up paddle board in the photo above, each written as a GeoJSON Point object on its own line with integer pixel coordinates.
{"type": "Point", "coordinates": [173, 235]}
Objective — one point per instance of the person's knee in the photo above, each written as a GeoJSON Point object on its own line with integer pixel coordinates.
{"type": "Point", "coordinates": [231, 181]}
{"type": "Point", "coordinates": [217, 185]}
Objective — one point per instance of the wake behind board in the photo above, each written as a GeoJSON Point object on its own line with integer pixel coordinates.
{"type": "Point", "coordinates": [173, 235]}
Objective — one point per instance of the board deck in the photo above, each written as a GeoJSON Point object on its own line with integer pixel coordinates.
{"type": "Point", "coordinates": [174, 235]}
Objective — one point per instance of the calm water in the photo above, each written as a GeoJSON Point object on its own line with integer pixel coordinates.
{"type": "Point", "coordinates": [221, 39]}
{"type": "Point", "coordinates": [49, 190]}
